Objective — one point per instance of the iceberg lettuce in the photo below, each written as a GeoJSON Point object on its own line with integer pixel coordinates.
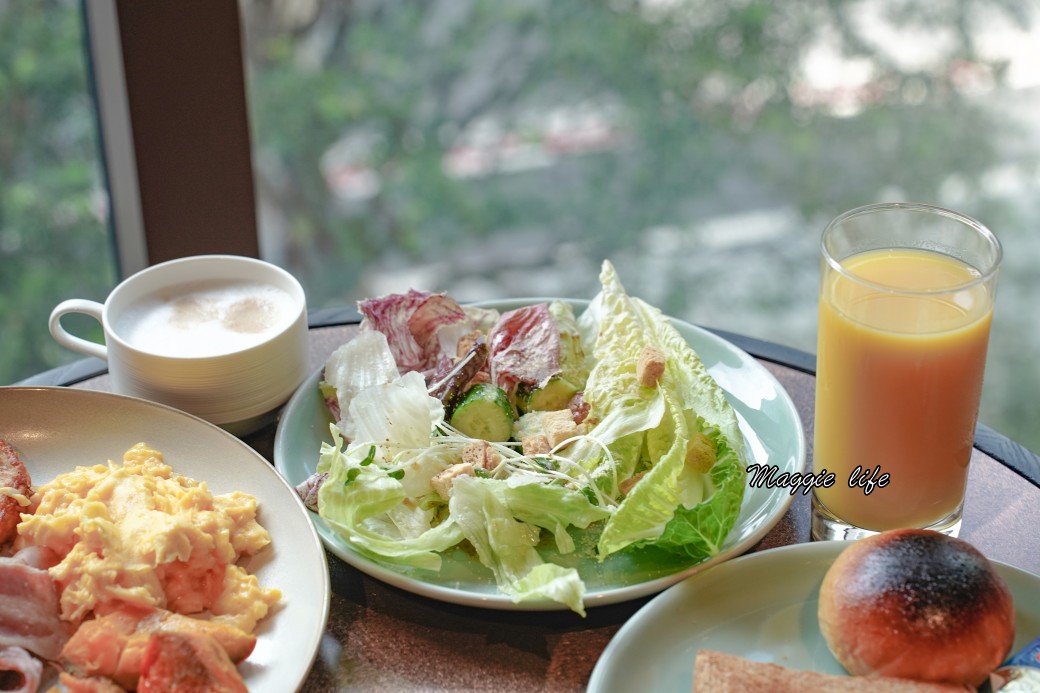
{"type": "Point", "coordinates": [506, 545]}
{"type": "Point", "coordinates": [397, 415]}
{"type": "Point", "coordinates": [358, 494]}
{"type": "Point", "coordinates": [361, 363]}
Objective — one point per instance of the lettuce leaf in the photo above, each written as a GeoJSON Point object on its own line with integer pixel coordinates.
{"type": "Point", "coordinates": [550, 507]}
{"type": "Point", "coordinates": [356, 500]}
{"type": "Point", "coordinates": [699, 531]}
{"type": "Point", "coordinates": [379, 494]}
{"type": "Point", "coordinates": [363, 362]}
{"type": "Point", "coordinates": [574, 364]}
{"type": "Point", "coordinates": [398, 415]}
{"type": "Point", "coordinates": [507, 546]}
{"type": "Point", "coordinates": [686, 401]}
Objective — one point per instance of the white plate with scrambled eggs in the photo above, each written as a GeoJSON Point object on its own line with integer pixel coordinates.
{"type": "Point", "coordinates": [56, 430]}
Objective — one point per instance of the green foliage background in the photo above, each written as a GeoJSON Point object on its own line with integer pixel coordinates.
{"type": "Point", "coordinates": [54, 239]}
{"type": "Point", "coordinates": [707, 97]}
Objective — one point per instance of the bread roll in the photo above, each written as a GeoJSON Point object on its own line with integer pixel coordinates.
{"type": "Point", "coordinates": [916, 604]}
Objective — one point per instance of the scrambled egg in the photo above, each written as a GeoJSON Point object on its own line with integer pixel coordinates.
{"type": "Point", "coordinates": [139, 534]}
{"type": "Point", "coordinates": [12, 492]}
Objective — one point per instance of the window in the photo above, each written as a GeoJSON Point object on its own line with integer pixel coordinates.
{"type": "Point", "coordinates": [54, 232]}
{"type": "Point", "coordinates": [177, 179]}
{"type": "Point", "coordinates": [496, 149]}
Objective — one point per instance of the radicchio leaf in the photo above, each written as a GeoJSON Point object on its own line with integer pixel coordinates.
{"type": "Point", "coordinates": [436, 312]}
{"type": "Point", "coordinates": [524, 347]}
{"type": "Point", "coordinates": [389, 315]}
{"type": "Point", "coordinates": [308, 489]}
{"type": "Point", "coordinates": [412, 323]}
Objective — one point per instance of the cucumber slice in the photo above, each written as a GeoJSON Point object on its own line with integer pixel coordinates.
{"type": "Point", "coordinates": [556, 395]}
{"type": "Point", "coordinates": [485, 413]}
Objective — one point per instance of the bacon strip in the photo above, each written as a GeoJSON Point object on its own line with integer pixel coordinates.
{"type": "Point", "coordinates": [29, 611]}
{"type": "Point", "coordinates": [176, 661]}
{"type": "Point", "coordinates": [20, 672]}
{"type": "Point", "coordinates": [13, 474]}
{"type": "Point", "coordinates": [114, 645]}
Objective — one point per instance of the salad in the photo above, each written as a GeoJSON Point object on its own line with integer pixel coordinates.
{"type": "Point", "coordinates": [525, 436]}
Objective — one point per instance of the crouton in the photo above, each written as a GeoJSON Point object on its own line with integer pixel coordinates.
{"type": "Point", "coordinates": [466, 342]}
{"type": "Point", "coordinates": [700, 452]}
{"type": "Point", "coordinates": [559, 426]}
{"type": "Point", "coordinates": [626, 484]}
{"type": "Point", "coordinates": [442, 481]}
{"type": "Point", "coordinates": [536, 445]}
{"type": "Point", "coordinates": [479, 453]}
{"type": "Point", "coordinates": [650, 366]}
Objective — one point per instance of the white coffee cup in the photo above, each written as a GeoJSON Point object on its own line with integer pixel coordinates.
{"type": "Point", "coordinates": [223, 337]}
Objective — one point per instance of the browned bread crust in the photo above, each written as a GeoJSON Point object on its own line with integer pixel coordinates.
{"type": "Point", "coordinates": [719, 672]}
{"type": "Point", "coordinates": [916, 604]}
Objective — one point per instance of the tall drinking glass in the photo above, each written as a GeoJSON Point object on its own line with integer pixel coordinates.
{"type": "Point", "coordinates": [906, 301]}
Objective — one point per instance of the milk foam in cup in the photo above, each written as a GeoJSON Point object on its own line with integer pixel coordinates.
{"type": "Point", "coordinates": [223, 337]}
{"type": "Point", "coordinates": [206, 318]}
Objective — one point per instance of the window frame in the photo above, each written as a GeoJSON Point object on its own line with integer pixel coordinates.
{"type": "Point", "coordinates": [174, 125]}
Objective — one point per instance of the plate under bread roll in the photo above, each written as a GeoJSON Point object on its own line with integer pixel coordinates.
{"type": "Point", "coordinates": [762, 606]}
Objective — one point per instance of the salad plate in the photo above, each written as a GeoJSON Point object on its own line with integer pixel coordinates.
{"type": "Point", "coordinates": [55, 429]}
{"type": "Point", "coordinates": [768, 421]}
{"type": "Point", "coordinates": [731, 608]}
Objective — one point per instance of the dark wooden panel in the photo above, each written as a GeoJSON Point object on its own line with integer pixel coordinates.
{"type": "Point", "coordinates": [188, 110]}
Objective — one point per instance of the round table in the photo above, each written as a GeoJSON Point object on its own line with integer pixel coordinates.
{"type": "Point", "coordinates": [379, 637]}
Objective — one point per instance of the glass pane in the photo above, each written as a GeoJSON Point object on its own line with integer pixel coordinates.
{"type": "Point", "coordinates": [54, 234]}
{"type": "Point", "coordinates": [494, 149]}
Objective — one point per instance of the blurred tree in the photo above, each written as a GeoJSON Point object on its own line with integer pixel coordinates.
{"type": "Point", "coordinates": [54, 241]}
{"type": "Point", "coordinates": [708, 100]}
{"type": "Point", "coordinates": [427, 129]}
{"type": "Point", "coordinates": [424, 129]}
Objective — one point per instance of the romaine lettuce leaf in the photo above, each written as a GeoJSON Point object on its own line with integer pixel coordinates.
{"type": "Point", "coordinates": [686, 401]}
{"type": "Point", "coordinates": [574, 363]}
{"type": "Point", "coordinates": [699, 531]}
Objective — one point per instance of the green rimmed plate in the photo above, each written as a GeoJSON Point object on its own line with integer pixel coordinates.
{"type": "Point", "coordinates": [773, 435]}
{"type": "Point", "coordinates": [761, 607]}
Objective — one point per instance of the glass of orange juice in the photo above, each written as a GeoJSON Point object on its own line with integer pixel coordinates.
{"type": "Point", "coordinates": [906, 300]}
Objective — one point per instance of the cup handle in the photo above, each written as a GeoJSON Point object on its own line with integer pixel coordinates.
{"type": "Point", "coordinates": [67, 339]}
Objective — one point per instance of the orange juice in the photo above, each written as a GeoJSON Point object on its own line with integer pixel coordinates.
{"type": "Point", "coordinates": [900, 360]}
